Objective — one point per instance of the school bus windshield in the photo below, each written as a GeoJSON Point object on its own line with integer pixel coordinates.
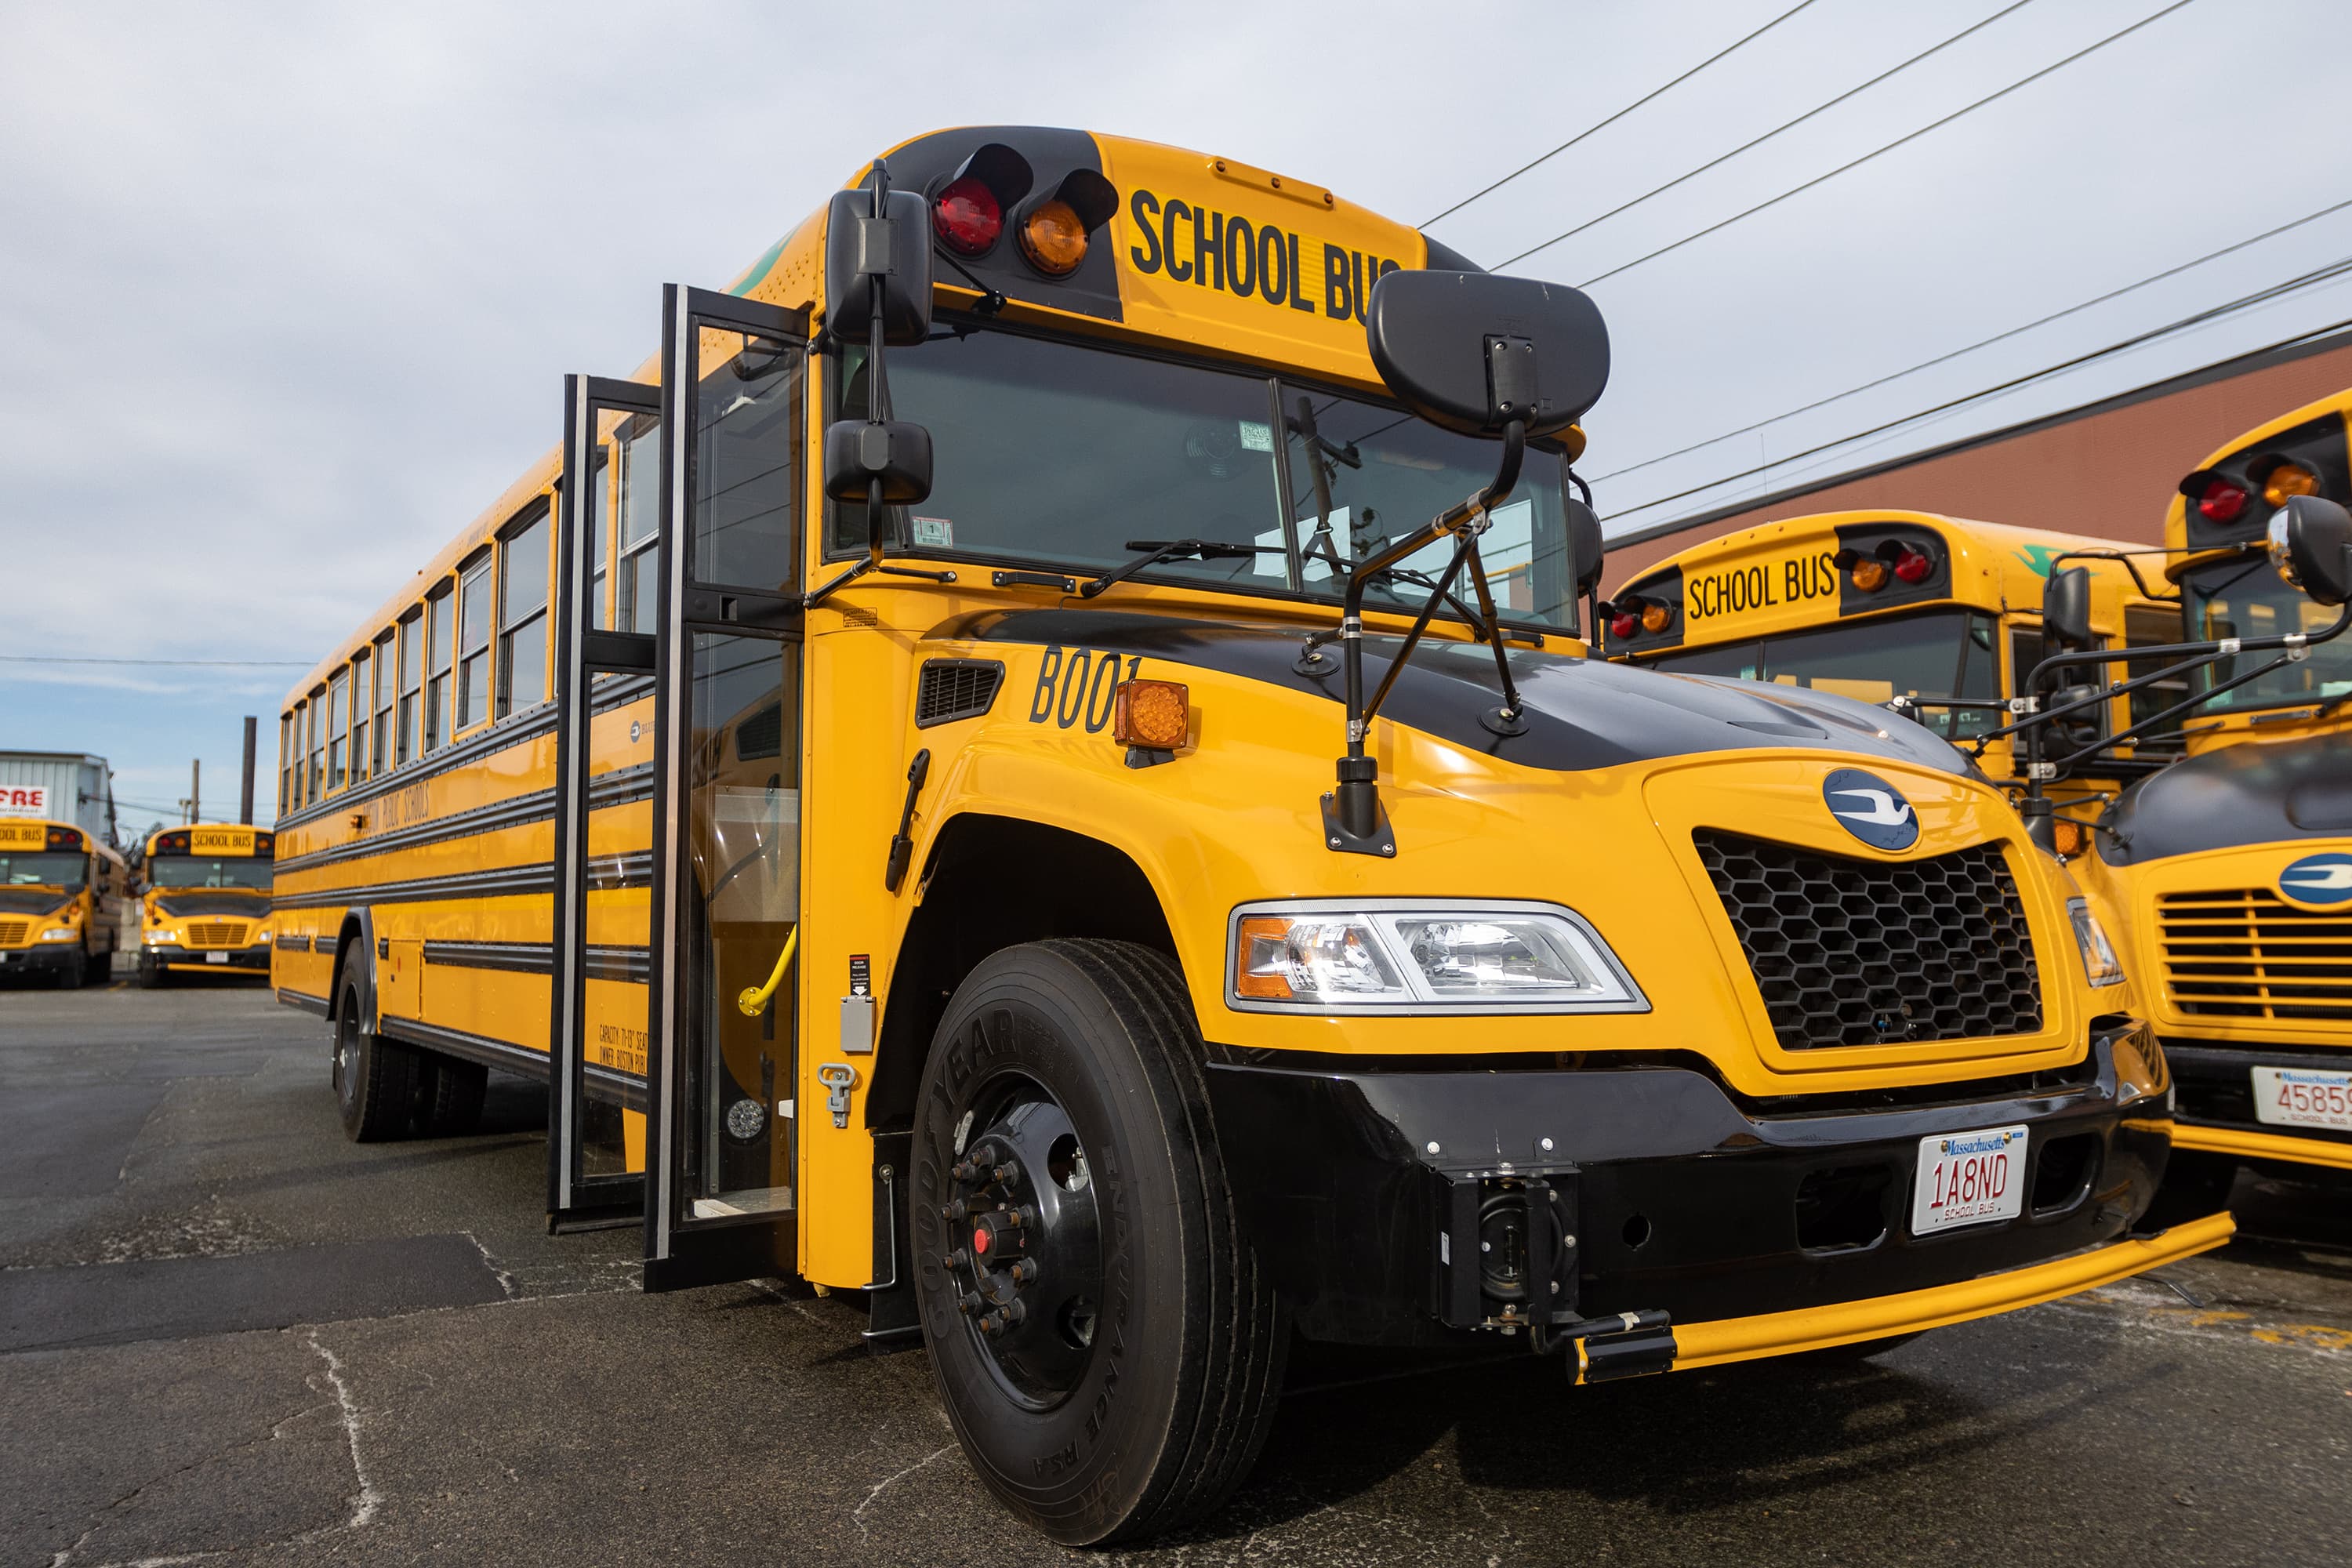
{"type": "Point", "coordinates": [2246, 598]}
{"type": "Point", "coordinates": [43, 870]}
{"type": "Point", "coordinates": [1927, 654]}
{"type": "Point", "coordinates": [1057, 455]}
{"type": "Point", "coordinates": [198, 871]}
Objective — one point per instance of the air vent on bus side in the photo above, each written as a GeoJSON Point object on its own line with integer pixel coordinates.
{"type": "Point", "coordinates": [952, 688]}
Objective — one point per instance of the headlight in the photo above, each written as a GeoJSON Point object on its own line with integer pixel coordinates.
{"type": "Point", "coordinates": [2099, 965]}
{"type": "Point", "coordinates": [58, 934]}
{"type": "Point", "coordinates": [1386, 955]}
{"type": "Point", "coordinates": [162, 939]}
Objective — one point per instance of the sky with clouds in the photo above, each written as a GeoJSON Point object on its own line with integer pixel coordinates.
{"type": "Point", "coordinates": [285, 293]}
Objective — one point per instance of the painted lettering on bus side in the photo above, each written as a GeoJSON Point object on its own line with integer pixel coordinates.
{"type": "Point", "coordinates": [1078, 685]}
{"type": "Point", "coordinates": [1227, 253]}
{"type": "Point", "coordinates": [1737, 590]}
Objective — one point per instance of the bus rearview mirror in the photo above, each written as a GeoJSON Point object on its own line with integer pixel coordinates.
{"type": "Point", "coordinates": [2311, 543]}
{"type": "Point", "coordinates": [1474, 352]}
{"type": "Point", "coordinates": [1586, 547]}
{"type": "Point", "coordinates": [2066, 608]}
{"type": "Point", "coordinates": [893, 251]}
{"type": "Point", "coordinates": [858, 452]}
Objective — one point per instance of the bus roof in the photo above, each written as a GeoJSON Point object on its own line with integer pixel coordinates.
{"type": "Point", "coordinates": [1777, 576]}
{"type": "Point", "coordinates": [1202, 250]}
{"type": "Point", "coordinates": [48, 826]}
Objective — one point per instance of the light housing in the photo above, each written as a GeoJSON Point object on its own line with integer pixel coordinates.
{"type": "Point", "coordinates": [1655, 617]}
{"type": "Point", "coordinates": [1153, 714]}
{"type": "Point", "coordinates": [968, 218]}
{"type": "Point", "coordinates": [2068, 836]}
{"type": "Point", "coordinates": [1054, 237]}
{"type": "Point", "coordinates": [61, 933]}
{"type": "Point", "coordinates": [2287, 479]}
{"type": "Point", "coordinates": [1422, 956]}
{"type": "Point", "coordinates": [2218, 500]}
{"type": "Point", "coordinates": [1868, 573]}
{"type": "Point", "coordinates": [1913, 565]}
{"type": "Point", "coordinates": [2100, 966]}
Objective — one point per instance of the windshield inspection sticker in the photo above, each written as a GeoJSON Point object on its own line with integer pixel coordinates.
{"type": "Point", "coordinates": [1256, 438]}
{"type": "Point", "coordinates": [937, 532]}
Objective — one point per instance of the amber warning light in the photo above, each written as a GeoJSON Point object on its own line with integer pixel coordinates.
{"type": "Point", "coordinates": [1153, 714]}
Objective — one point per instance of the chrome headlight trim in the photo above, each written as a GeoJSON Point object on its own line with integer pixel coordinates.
{"type": "Point", "coordinates": [1621, 994]}
{"type": "Point", "coordinates": [2093, 945]}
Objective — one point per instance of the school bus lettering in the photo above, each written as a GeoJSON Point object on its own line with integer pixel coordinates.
{"type": "Point", "coordinates": [1228, 255]}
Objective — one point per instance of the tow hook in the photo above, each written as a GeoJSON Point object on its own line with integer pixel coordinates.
{"type": "Point", "coordinates": [1622, 1344]}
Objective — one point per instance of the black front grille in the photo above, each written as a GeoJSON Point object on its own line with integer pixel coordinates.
{"type": "Point", "coordinates": [1865, 952]}
{"type": "Point", "coordinates": [952, 688]}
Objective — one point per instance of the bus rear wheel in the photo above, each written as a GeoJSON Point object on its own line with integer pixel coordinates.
{"type": "Point", "coordinates": [1102, 1335]}
{"type": "Point", "coordinates": [375, 1078]}
{"type": "Point", "coordinates": [450, 1093]}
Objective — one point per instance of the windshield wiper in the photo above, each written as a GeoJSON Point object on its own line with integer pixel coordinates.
{"type": "Point", "coordinates": [1159, 550]}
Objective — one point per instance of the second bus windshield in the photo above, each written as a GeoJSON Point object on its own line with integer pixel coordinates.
{"type": "Point", "coordinates": [196, 871]}
{"type": "Point", "coordinates": [1932, 654]}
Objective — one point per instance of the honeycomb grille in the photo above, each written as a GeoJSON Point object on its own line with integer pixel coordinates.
{"type": "Point", "coordinates": [2249, 954]}
{"type": "Point", "coordinates": [1866, 952]}
{"type": "Point", "coordinates": [216, 933]}
{"type": "Point", "coordinates": [953, 688]}
{"type": "Point", "coordinates": [14, 932]}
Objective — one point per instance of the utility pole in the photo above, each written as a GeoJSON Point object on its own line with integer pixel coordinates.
{"type": "Point", "coordinates": [195, 790]}
{"type": "Point", "coordinates": [245, 798]}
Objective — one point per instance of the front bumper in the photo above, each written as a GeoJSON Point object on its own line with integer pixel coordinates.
{"type": "Point", "coordinates": [209, 961]}
{"type": "Point", "coordinates": [1376, 1196]}
{"type": "Point", "coordinates": [2216, 1104]}
{"type": "Point", "coordinates": [42, 958]}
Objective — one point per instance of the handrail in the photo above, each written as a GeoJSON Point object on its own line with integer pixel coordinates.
{"type": "Point", "coordinates": [756, 996]}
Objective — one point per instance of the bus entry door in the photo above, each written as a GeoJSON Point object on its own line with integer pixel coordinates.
{"type": "Point", "coordinates": [727, 794]}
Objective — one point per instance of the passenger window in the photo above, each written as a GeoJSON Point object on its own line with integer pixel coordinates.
{"type": "Point", "coordinates": [411, 682]}
{"type": "Point", "coordinates": [746, 453]}
{"type": "Point", "coordinates": [363, 707]}
{"type": "Point", "coordinates": [522, 617]}
{"type": "Point", "coordinates": [2149, 626]}
{"type": "Point", "coordinates": [638, 449]}
{"type": "Point", "coordinates": [442, 634]}
{"type": "Point", "coordinates": [316, 741]}
{"type": "Point", "coordinates": [380, 684]}
{"type": "Point", "coordinates": [285, 763]}
{"type": "Point", "coordinates": [335, 722]}
{"type": "Point", "coordinates": [474, 643]}
{"type": "Point", "coordinates": [599, 525]}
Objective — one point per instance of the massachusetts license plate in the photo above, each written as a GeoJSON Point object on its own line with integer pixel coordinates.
{"type": "Point", "coordinates": [2302, 1097]}
{"type": "Point", "coordinates": [1969, 1178]}
{"type": "Point", "coordinates": [216, 958]}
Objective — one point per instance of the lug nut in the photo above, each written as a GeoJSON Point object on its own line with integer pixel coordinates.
{"type": "Point", "coordinates": [1025, 1269]}
{"type": "Point", "coordinates": [1006, 1174]}
{"type": "Point", "coordinates": [970, 1302]}
{"type": "Point", "coordinates": [954, 1210]}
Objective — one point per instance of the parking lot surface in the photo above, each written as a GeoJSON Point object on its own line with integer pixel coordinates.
{"type": "Point", "coordinates": [227, 1334]}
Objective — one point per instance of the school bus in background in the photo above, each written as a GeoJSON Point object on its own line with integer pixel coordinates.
{"type": "Point", "coordinates": [1938, 618]}
{"type": "Point", "coordinates": [2228, 877]}
{"type": "Point", "coordinates": [60, 894]}
{"type": "Point", "coordinates": [939, 883]}
{"type": "Point", "coordinates": [203, 902]}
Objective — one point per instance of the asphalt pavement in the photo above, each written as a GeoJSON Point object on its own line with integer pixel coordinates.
{"type": "Point", "coordinates": [227, 1335]}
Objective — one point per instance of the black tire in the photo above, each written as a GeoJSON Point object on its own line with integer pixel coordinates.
{"type": "Point", "coordinates": [69, 976]}
{"type": "Point", "coordinates": [2195, 1184]}
{"type": "Point", "coordinates": [449, 1095]}
{"type": "Point", "coordinates": [152, 976]}
{"type": "Point", "coordinates": [375, 1078]}
{"type": "Point", "coordinates": [99, 967]}
{"type": "Point", "coordinates": [1166, 1388]}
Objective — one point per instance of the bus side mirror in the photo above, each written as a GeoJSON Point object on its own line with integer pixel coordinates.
{"type": "Point", "coordinates": [1586, 547]}
{"type": "Point", "coordinates": [2311, 543]}
{"type": "Point", "coordinates": [1474, 352]}
{"type": "Point", "coordinates": [2066, 608]}
{"type": "Point", "coordinates": [893, 251]}
{"type": "Point", "coordinates": [893, 451]}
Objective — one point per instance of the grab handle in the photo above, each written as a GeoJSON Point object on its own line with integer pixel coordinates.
{"type": "Point", "coordinates": [756, 997]}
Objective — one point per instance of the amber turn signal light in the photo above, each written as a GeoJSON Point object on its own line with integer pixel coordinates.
{"type": "Point", "coordinates": [1153, 714]}
{"type": "Point", "coordinates": [2067, 835]}
{"type": "Point", "coordinates": [1054, 239]}
{"type": "Point", "coordinates": [1260, 935]}
{"type": "Point", "coordinates": [1654, 616]}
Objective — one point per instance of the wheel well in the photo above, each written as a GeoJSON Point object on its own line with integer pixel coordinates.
{"type": "Point", "coordinates": [354, 931]}
{"type": "Point", "coordinates": [992, 882]}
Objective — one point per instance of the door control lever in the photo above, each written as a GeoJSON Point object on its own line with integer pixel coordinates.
{"type": "Point", "coordinates": [839, 1078]}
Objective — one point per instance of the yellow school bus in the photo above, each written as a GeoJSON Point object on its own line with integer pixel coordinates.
{"type": "Point", "coordinates": [203, 903]}
{"type": "Point", "coordinates": [1038, 764]}
{"type": "Point", "coordinates": [60, 901]}
{"type": "Point", "coordinates": [1938, 618]}
{"type": "Point", "coordinates": [2229, 876]}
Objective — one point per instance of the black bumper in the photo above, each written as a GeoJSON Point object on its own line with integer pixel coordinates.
{"type": "Point", "coordinates": [2216, 1085]}
{"type": "Point", "coordinates": [1367, 1190]}
{"type": "Point", "coordinates": [241, 959]}
{"type": "Point", "coordinates": [42, 958]}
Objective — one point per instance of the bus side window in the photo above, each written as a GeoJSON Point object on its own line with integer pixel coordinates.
{"type": "Point", "coordinates": [522, 615]}
{"type": "Point", "coordinates": [2150, 626]}
{"type": "Point", "coordinates": [380, 756]}
{"type": "Point", "coordinates": [285, 764]}
{"type": "Point", "coordinates": [412, 682]}
{"type": "Point", "coordinates": [440, 635]}
{"type": "Point", "coordinates": [474, 642]}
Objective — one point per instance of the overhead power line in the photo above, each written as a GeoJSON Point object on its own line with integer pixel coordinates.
{"type": "Point", "coordinates": [166, 663]}
{"type": "Point", "coordinates": [1880, 152]}
{"type": "Point", "coordinates": [1758, 141]}
{"type": "Point", "coordinates": [2278, 290]}
{"type": "Point", "coordinates": [2152, 277]}
{"type": "Point", "coordinates": [1589, 130]}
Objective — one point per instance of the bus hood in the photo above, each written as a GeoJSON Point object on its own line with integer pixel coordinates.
{"type": "Point", "coordinates": [33, 901]}
{"type": "Point", "coordinates": [1581, 713]}
{"type": "Point", "coordinates": [2260, 792]}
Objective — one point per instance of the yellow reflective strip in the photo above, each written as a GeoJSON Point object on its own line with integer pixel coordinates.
{"type": "Point", "coordinates": [2263, 1146]}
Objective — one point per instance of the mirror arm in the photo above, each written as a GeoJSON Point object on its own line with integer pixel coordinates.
{"type": "Point", "coordinates": [1419, 624]}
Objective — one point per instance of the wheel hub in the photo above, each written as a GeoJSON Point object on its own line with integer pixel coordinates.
{"type": "Point", "coordinates": [1026, 1258]}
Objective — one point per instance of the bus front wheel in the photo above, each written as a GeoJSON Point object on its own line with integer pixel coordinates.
{"type": "Point", "coordinates": [375, 1078]}
{"type": "Point", "coordinates": [1106, 1343]}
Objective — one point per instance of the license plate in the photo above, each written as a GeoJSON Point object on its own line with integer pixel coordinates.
{"type": "Point", "coordinates": [2302, 1097]}
{"type": "Point", "coordinates": [216, 958]}
{"type": "Point", "coordinates": [1969, 1178]}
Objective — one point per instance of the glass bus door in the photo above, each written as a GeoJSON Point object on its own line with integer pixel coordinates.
{"type": "Point", "coordinates": [604, 843]}
{"type": "Point", "coordinates": [720, 1169]}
